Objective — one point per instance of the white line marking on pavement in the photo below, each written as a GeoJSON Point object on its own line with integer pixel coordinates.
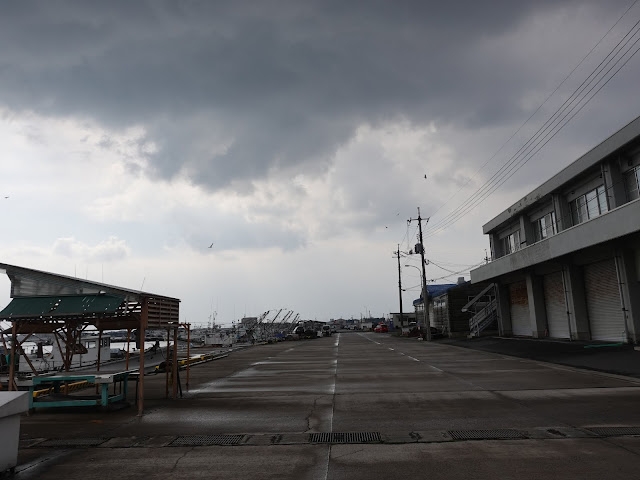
{"type": "Point", "coordinates": [333, 389]}
{"type": "Point", "coordinates": [409, 356]}
{"type": "Point", "coordinates": [392, 349]}
{"type": "Point", "coordinates": [377, 343]}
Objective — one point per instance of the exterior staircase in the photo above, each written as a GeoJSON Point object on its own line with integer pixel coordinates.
{"type": "Point", "coordinates": [484, 318]}
{"type": "Point", "coordinates": [486, 312]}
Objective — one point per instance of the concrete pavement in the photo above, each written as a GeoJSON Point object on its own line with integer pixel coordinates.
{"type": "Point", "coordinates": [408, 405]}
{"type": "Point", "coordinates": [620, 359]}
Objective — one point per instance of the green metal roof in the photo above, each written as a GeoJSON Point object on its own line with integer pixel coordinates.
{"type": "Point", "coordinates": [61, 305]}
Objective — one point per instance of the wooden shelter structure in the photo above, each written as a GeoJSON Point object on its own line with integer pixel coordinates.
{"type": "Point", "coordinates": [64, 306]}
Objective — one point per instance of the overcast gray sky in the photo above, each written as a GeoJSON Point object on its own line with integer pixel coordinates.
{"type": "Point", "coordinates": [295, 136]}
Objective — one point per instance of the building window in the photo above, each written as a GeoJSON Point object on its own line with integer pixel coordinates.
{"type": "Point", "coordinates": [511, 243]}
{"type": "Point", "coordinates": [589, 205]}
{"type": "Point", "coordinates": [545, 226]}
{"type": "Point", "coordinates": [632, 183]}
{"type": "Point", "coordinates": [439, 304]}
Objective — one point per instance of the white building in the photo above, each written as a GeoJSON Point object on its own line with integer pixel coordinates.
{"type": "Point", "coordinates": [566, 257]}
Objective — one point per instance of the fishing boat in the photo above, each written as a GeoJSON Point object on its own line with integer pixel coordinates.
{"type": "Point", "coordinates": [49, 358]}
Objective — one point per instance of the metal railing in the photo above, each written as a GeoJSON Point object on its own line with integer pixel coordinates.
{"type": "Point", "coordinates": [485, 317]}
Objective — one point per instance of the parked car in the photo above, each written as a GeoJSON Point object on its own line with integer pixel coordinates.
{"type": "Point", "coordinates": [326, 331]}
{"type": "Point", "coordinates": [381, 328]}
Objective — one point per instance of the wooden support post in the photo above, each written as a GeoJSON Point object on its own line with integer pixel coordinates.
{"type": "Point", "coordinates": [174, 364]}
{"type": "Point", "coordinates": [188, 352]}
{"type": "Point", "coordinates": [6, 349]}
{"type": "Point", "coordinates": [21, 352]}
{"type": "Point", "coordinates": [144, 319]}
{"type": "Point", "coordinates": [12, 357]}
{"type": "Point", "coordinates": [99, 349]}
{"type": "Point", "coordinates": [98, 362]}
{"type": "Point", "coordinates": [166, 365]}
{"type": "Point", "coordinates": [70, 345]}
{"type": "Point", "coordinates": [128, 339]}
{"type": "Point", "coordinates": [4, 343]}
{"type": "Point", "coordinates": [67, 343]}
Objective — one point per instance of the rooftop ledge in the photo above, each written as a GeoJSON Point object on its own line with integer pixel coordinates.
{"type": "Point", "coordinates": [616, 223]}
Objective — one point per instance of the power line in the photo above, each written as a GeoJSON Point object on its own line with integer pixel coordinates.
{"type": "Point", "coordinates": [552, 126]}
{"type": "Point", "coordinates": [443, 268]}
{"type": "Point", "coordinates": [547, 124]}
{"type": "Point", "coordinates": [535, 112]}
{"type": "Point", "coordinates": [457, 273]}
{"type": "Point", "coordinates": [529, 149]}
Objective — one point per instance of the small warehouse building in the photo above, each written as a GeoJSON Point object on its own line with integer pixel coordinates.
{"type": "Point", "coordinates": [450, 316]}
{"type": "Point", "coordinates": [432, 292]}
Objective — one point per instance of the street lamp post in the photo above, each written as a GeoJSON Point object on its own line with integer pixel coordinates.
{"type": "Point", "coordinates": [424, 301]}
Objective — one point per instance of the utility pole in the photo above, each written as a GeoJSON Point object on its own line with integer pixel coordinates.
{"type": "Point", "coordinates": [425, 303]}
{"type": "Point", "coordinates": [400, 287]}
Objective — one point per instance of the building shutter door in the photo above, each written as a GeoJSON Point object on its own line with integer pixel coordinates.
{"type": "Point", "coordinates": [603, 302]}
{"type": "Point", "coordinates": [520, 324]}
{"type": "Point", "coordinates": [555, 305]}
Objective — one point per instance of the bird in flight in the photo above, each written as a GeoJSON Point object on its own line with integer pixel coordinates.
{"type": "Point", "coordinates": [211, 246]}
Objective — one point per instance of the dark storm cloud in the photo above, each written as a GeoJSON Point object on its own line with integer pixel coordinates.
{"type": "Point", "coordinates": [229, 90]}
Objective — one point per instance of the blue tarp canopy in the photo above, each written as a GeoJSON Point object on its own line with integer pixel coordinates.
{"type": "Point", "coordinates": [434, 291]}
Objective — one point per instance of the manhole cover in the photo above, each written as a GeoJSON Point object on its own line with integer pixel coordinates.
{"type": "Point", "coordinates": [351, 437]}
{"type": "Point", "coordinates": [498, 434]}
{"type": "Point", "coordinates": [203, 440]}
{"type": "Point", "coordinates": [614, 431]}
{"type": "Point", "coordinates": [72, 442]}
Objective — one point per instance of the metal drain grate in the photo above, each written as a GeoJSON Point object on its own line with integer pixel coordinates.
{"type": "Point", "coordinates": [204, 440]}
{"type": "Point", "coordinates": [498, 434]}
{"type": "Point", "coordinates": [351, 437]}
{"type": "Point", "coordinates": [72, 442]}
{"type": "Point", "coordinates": [614, 431]}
